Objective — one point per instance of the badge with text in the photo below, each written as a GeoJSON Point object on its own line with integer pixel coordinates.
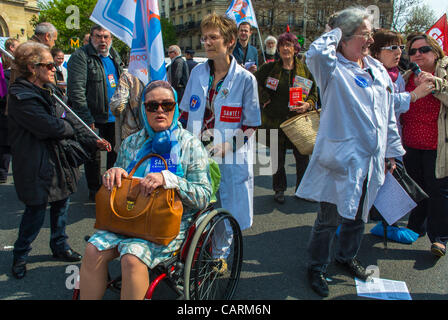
{"type": "Point", "coordinates": [272, 83]}
{"type": "Point", "coordinates": [295, 96]}
{"type": "Point", "coordinates": [111, 80]}
{"type": "Point", "coordinates": [231, 114]}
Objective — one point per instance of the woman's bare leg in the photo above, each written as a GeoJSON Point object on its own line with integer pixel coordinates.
{"type": "Point", "coordinates": [135, 278]}
{"type": "Point", "coordinates": [93, 274]}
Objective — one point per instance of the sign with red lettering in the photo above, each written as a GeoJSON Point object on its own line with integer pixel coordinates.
{"type": "Point", "coordinates": [231, 114]}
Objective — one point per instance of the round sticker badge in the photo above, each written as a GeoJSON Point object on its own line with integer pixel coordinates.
{"type": "Point", "coordinates": [195, 103]}
{"type": "Point", "coordinates": [361, 82]}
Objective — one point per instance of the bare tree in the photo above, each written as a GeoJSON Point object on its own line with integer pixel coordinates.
{"type": "Point", "coordinates": [420, 19]}
{"type": "Point", "coordinates": [402, 11]}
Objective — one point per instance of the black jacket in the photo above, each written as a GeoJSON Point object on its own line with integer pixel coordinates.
{"type": "Point", "coordinates": [3, 117]}
{"type": "Point", "coordinates": [36, 125]}
{"type": "Point", "coordinates": [87, 84]}
{"type": "Point", "coordinates": [178, 75]}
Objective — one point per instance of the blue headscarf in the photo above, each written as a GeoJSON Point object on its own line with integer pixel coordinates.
{"type": "Point", "coordinates": [163, 143]}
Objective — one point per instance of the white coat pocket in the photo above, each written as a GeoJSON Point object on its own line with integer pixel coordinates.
{"type": "Point", "coordinates": [335, 154]}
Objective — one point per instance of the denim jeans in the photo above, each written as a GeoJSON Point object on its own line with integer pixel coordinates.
{"type": "Point", "coordinates": [5, 159]}
{"type": "Point", "coordinates": [93, 167]}
{"type": "Point", "coordinates": [323, 234]}
{"type": "Point", "coordinates": [32, 221]}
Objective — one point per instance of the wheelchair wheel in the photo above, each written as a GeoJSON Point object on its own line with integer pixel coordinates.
{"type": "Point", "coordinates": [207, 277]}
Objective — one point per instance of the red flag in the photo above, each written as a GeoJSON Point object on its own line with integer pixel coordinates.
{"type": "Point", "coordinates": [439, 31]}
{"type": "Point", "coordinates": [287, 28]}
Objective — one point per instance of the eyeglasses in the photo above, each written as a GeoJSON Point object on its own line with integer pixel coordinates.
{"type": "Point", "coordinates": [422, 50]}
{"type": "Point", "coordinates": [394, 47]}
{"type": "Point", "coordinates": [49, 66]}
{"type": "Point", "coordinates": [366, 35]}
{"type": "Point", "coordinates": [105, 37]}
{"type": "Point", "coordinates": [153, 106]}
{"type": "Point", "coordinates": [212, 38]}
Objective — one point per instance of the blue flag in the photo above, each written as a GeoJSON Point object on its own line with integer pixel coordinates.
{"type": "Point", "coordinates": [137, 23]}
{"type": "Point", "coordinates": [242, 11]}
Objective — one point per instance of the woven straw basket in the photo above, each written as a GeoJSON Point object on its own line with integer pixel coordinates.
{"type": "Point", "coordinates": [302, 130]}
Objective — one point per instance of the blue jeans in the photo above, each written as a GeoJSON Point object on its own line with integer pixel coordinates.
{"type": "Point", "coordinates": [323, 233]}
{"type": "Point", "coordinates": [32, 221]}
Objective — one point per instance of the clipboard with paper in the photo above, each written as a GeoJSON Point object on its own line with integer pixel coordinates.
{"type": "Point", "coordinates": [392, 201]}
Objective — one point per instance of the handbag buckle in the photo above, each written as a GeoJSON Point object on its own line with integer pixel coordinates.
{"type": "Point", "coordinates": [130, 205]}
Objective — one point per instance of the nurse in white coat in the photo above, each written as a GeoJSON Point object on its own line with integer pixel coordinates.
{"type": "Point", "coordinates": [357, 133]}
{"type": "Point", "coordinates": [221, 99]}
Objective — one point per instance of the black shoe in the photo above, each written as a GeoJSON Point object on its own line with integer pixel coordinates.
{"type": "Point", "coordinates": [438, 249]}
{"type": "Point", "coordinates": [356, 269]}
{"type": "Point", "coordinates": [19, 269]}
{"type": "Point", "coordinates": [279, 197]}
{"type": "Point", "coordinates": [318, 282]}
{"type": "Point", "coordinates": [68, 255]}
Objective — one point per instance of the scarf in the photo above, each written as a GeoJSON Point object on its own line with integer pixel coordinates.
{"type": "Point", "coordinates": [163, 143]}
{"type": "Point", "coordinates": [393, 73]}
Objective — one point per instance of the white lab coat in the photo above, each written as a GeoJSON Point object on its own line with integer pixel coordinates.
{"type": "Point", "coordinates": [357, 130]}
{"type": "Point", "coordinates": [238, 96]}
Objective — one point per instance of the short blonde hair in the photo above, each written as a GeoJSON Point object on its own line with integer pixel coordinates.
{"type": "Point", "coordinates": [226, 26]}
{"type": "Point", "coordinates": [27, 53]}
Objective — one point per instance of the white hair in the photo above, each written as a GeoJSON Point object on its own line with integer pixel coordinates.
{"type": "Point", "coordinates": [44, 28]}
{"type": "Point", "coordinates": [349, 20]}
{"type": "Point", "coordinates": [176, 49]}
{"type": "Point", "coordinates": [270, 38]}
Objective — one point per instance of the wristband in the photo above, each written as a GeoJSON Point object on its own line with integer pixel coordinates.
{"type": "Point", "coordinates": [413, 94]}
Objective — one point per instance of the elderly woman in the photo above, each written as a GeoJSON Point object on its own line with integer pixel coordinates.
{"type": "Point", "coordinates": [221, 100]}
{"type": "Point", "coordinates": [275, 79]}
{"type": "Point", "coordinates": [357, 133]}
{"type": "Point", "coordinates": [42, 173]}
{"type": "Point", "coordinates": [425, 140]}
{"type": "Point", "coordinates": [162, 134]}
{"type": "Point", "coordinates": [387, 48]}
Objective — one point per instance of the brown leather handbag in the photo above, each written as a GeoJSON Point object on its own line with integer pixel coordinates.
{"type": "Point", "coordinates": [126, 211]}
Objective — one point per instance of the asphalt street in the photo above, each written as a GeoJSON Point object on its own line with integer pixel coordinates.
{"type": "Point", "coordinates": [274, 266]}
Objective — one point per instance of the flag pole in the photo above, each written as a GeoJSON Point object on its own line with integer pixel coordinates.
{"type": "Point", "coordinates": [261, 44]}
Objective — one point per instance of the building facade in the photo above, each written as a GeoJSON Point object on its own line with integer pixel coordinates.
{"type": "Point", "coordinates": [306, 18]}
{"type": "Point", "coordinates": [15, 18]}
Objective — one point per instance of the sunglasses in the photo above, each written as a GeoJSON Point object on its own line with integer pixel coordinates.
{"type": "Point", "coordinates": [49, 66]}
{"type": "Point", "coordinates": [153, 106]}
{"type": "Point", "coordinates": [422, 50]}
{"type": "Point", "coordinates": [394, 47]}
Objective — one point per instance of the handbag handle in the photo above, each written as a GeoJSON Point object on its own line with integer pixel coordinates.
{"type": "Point", "coordinates": [112, 198]}
{"type": "Point", "coordinates": [145, 158]}
{"type": "Point", "coordinates": [134, 196]}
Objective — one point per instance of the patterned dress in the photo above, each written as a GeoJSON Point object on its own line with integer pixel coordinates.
{"type": "Point", "coordinates": [194, 189]}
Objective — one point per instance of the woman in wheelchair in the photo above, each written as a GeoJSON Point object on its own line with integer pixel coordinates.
{"type": "Point", "coordinates": [188, 173]}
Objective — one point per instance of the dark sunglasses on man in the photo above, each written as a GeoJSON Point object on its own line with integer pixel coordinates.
{"type": "Point", "coordinates": [153, 106]}
{"type": "Point", "coordinates": [49, 66]}
{"type": "Point", "coordinates": [422, 50]}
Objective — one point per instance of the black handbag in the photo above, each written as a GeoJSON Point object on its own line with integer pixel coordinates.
{"type": "Point", "coordinates": [409, 185]}
{"type": "Point", "coordinates": [74, 152]}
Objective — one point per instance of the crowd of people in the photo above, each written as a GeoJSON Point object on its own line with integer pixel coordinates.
{"type": "Point", "coordinates": [372, 114]}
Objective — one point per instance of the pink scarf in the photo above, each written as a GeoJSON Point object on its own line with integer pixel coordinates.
{"type": "Point", "coordinates": [393, 73]}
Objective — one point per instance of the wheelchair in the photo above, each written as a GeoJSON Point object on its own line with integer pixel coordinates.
{"type": "Point", "coordinates": [192, 272]}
